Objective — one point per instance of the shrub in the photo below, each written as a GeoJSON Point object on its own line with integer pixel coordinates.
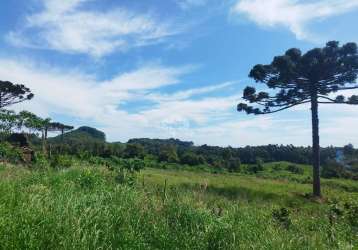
{"type": "Point", "coordinates": [333, 169]}
{"type": "Point", "coordinates": [88, 179]}
{"type": "Point", "coordinates": [10, 153]}
{"type": "Point", "coordinates": [168, 154]}
{"type": "Point", "coordinates": [126, 169]}
{"type": "Point", "coordinates": [252, 169]}
{"type": "Point", "coordinates": [191, 159]}
{"type": "Point", "coordinates": [282, 216]}
{"type": "Point", "coordinates": [258, 167]}
{"type": "Point", "coordinates": [99, 161]}
{"type": "Point", "coordinates": [344, 211]}
{"type": "Point", "coordinates": [295, 169]}
{"type": "Point", "coordinates": [61, 161]}
{"type": "Point", "coordinates": [41, 161]}
{"type": "Point", "coordinates": [18, 139]}
{"type": "Point", "coordinates": [277, 167]}
{"type": "Point", "coordinates": [134, 150]}
{"type": "Point", "coordinates": [259, 164]}
{"type": "Point", "coordinates": [234, 165]}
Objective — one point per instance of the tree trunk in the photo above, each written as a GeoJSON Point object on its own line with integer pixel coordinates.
{"type": "Point", "coordinates": [46, 136]}
{"type": "Point", "coordinates": [43, 141]}
{"type": "Point", "coordinates": [315, 147]}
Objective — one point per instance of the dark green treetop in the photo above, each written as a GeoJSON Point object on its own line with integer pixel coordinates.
{"type": "Point", "coordinates": [13, 93]}
{"type": "Point", "coordinates": [319, 73]}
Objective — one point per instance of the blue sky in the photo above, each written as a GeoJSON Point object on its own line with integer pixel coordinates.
{"type": "Point", "coordinates": [173, 68]}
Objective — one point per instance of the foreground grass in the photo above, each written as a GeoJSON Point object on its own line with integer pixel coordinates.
{"type": "Point", "coordinates": [84, 208]}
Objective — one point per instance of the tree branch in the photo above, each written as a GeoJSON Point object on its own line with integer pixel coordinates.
{"type": "Point", "coordinates": [287, 107]}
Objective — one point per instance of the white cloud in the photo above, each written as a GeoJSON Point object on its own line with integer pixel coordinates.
{"type": "Point", "coordinates": [80, 96]}
{"type": "Point", "coordinates": [206, 119]}
{"type": "Point", "coordinates": [185, 94]}
{"type": "Point", "coordinates": [68, 27]}
{"type": "Point", "coordinates": [292, 14]}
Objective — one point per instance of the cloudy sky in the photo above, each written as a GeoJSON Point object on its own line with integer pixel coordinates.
{"type": "Point", "coordinates": [169, 68]}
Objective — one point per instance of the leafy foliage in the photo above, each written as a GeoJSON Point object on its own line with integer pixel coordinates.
{"type": "Point", "coordinates": [282, 216]}
{"type": "Point", "coordinates": [302, 78]}
{"type": "Point", "coordinates": [11, 93]}
{"type": "Point", "coordinates": [10, 153]}
{"type": "Point", "coordinates": [295, 169]}
{"type": "Point", "coordinates": [61, 162]}
{"type": "Point", "coordinates": [134, 150]}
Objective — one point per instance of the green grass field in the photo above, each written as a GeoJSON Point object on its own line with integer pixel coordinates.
{"type": "Point", "coordinates": [85, 208]}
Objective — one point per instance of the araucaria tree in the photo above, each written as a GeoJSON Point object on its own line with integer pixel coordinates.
{"type": "Point", "coordinates": [13, 93]}
{"type": "Point", "coordinates": [314, 77]}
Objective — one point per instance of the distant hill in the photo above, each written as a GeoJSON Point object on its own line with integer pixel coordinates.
{"type": "Point", "coordinates": [81, 135]}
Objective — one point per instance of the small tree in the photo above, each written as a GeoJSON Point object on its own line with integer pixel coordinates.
{"type": "Point", "coordinates": [29, 121]}
{"type": "Point", "coordinates": [34, 123]}
{"type": "Point", "coordinates": [13, 93]}
{"type": "Point", "coordinates": [348, 149]}
{"type": "Point", "coordinates": [310, 78]}
{"type": "Point", "coordinates": [168, 153]}
{"type": "Point", "coordinates": [234, 165]}
{"type": "Point", "coordinates": [134, 150]}
{"type": "Point", "coordinates": [8, 121]}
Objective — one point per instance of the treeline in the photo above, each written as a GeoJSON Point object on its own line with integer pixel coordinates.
{"type": "Point", "coordinates": [83, 140]}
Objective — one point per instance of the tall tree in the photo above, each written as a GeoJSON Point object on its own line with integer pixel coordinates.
{"type": "Point", "coordinates": [44, 127]}
{"type": "Point", "coordinates": [57, 126]}
{"type": "Point", "coordinates": [314, 77]}
{"type": "Point", "coordinates": [13, 93]}
{"type": "Point", "coordinates": [29, 121]}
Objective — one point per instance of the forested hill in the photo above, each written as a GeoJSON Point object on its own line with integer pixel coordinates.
{"type": "Point", "coordinates": [82, 134]}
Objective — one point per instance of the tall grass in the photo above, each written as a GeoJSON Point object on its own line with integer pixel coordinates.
{"type": "Point", "coordinates": [85, 208]}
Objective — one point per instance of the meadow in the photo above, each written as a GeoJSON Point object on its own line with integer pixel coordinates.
{"type": "Point", "coordinates": [87, 207]}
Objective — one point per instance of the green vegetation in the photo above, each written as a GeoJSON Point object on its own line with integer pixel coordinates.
{"type": "Point", "coordinates": [87, 207]}
{"type": "Point", "coordinates": [77, 191]}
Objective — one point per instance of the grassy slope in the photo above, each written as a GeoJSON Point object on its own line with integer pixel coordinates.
{"type": "Point", "coordinates": [83, 208]}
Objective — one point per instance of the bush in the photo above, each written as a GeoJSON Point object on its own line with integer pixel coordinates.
{"type": "Point", "coordinates": [282, 217]}
{"type": "Point", "coordinates": [295, 169]}
{"type": "Point", "coordinates": [134, 151]}
{"type": "Point", "coordinates": [41, 161]}
{"type": "Point", "coordinates": [277, 167]}
{"type": "Point", "coordinates": [168, 154]}
{"type": "Point", "coordinates": [18, 139]}
{"type": "Point", "coordinates": [234, 165]}
{"type": "Point", "coordinates": [192, 159]}
{"type": "Point", "coordinates": [126, 169]}
{"type": "Point", "coordinates": [88, 179]}
{"type": "Point", "coordinates": [258, 167]}
{"type": "Point", "coordinates": [61, 161]}
{"type": "Point", "coordinates": [259, 164]}
{"type": "Point", "coordinates": [332, 169]}
{"type": "Point", "coordinates": [99, 161]}
{"type": "Point", "coordinates": [10, 153]}
{"type": "Point", "coordinates": [344, 211]}
{"type": "Point", "coordinates": [252, 169]}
